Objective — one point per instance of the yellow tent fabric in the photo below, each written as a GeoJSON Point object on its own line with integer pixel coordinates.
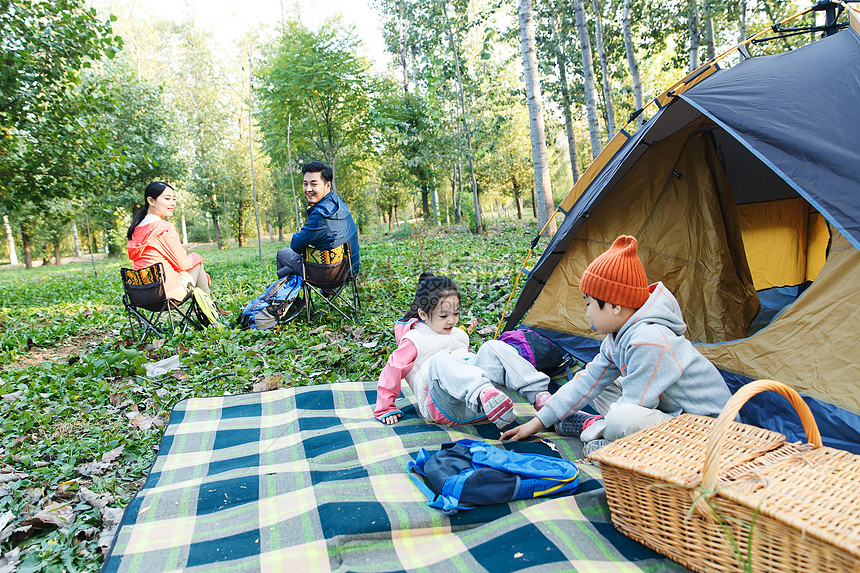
{"type": "Point", "coordinates": [812, 344]}
{"type": "Point", "coordinates": [785, 242]}
{"type": "Point", "coordinates": [676, 201]}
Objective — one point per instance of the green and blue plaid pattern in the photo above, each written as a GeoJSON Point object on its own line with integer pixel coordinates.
{"type": "Point", "coordinates": [305, 479]}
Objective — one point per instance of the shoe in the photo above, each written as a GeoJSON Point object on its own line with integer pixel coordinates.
{"type": "Point", "coordinates": [498, 408]}
{"type": "Point", "coordinates": [595, 445]}
{"type": "Point", "coordinates": [573, 426]}
{"type": "Point", "coordinates": [210, 316]}
{"type": "Point", "coordinates": [541, 399]}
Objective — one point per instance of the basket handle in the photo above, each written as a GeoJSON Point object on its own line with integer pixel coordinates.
{"type": "Point", "coordinates": [731, 409]}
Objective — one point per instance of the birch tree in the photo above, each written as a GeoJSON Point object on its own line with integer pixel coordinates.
{"type": "Point", "coordinates": [693, 29]}
{"type": "Point", "coordinates": [629, 49]}
{"type": "Point", "coordinates": [588, 78]}
{"type": "Point", "coordinates": [543, 186]}
{"type": "Point", "coordinates": [565, 98]}
{"type": "Point", "coordinates": [604, 68]}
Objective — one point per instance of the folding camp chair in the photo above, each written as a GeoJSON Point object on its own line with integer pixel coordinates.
{"type": "Point", "coordinates": [328, 275]}
{"type": "Point", "coordinates": [149, 310]}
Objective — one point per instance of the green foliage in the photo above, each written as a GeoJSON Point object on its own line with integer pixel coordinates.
{"type": "Point", "coordinates": [313, 80]}
{"type": "Point", "coordinates": [75, 388]}
{"type": "Point", "coordinates": [47, 122]}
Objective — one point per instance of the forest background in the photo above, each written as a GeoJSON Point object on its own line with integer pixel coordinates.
{"type": "Point", "coordinates": [95, 104]}
{"type": "Point", "coordinates": [437, 151]}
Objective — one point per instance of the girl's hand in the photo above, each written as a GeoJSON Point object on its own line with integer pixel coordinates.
{"type": "Point", "coordinates": [392, 419]}
{"type": "Point", "coordinates": [522, 432]}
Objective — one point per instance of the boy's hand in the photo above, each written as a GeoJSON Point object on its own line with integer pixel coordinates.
{"type": "Point", "coordinates": [392, 419]}
{"type": "Point", "coordinates": [522, 432]}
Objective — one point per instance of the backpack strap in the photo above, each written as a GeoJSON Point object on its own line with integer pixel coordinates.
{"type": "Point", "coordinates": [449, 500]}
{"type": "Point", "coordinates": [420, 483]}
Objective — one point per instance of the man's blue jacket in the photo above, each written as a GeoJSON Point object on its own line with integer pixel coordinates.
{"type": "Point", "coordinates": [329, 225]}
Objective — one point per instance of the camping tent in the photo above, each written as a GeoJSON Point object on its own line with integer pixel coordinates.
{"type": "Point", "coordinates": [743, 191]}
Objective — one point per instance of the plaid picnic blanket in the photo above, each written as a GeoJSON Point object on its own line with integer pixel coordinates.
{"type": "Point", "coordinates": [305, 479]}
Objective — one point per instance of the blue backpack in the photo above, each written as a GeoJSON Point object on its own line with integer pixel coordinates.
{"type": "Point", "coordinates": [278, 303]}
{"type": "Point", "coordinates": [468, 473]}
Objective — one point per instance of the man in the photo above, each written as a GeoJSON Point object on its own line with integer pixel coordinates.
{"type": "Point", "coordinates": [329, 224]}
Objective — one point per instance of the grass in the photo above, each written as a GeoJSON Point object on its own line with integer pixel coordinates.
{"type": "Point", "coordinates": [80, 419]}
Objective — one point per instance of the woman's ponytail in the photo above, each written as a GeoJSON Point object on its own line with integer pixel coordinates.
{"type": "Point", "coordinates": [153, 190]}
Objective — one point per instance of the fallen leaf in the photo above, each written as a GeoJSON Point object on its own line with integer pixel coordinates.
{"type": "Point", "coordinates": [487, 330]}
{"type": "Point", "coordinates": [9, 561]}
{"type": "Point", "coordinates": [112, 455]}
{"type": "Point", "coordinates": [93, 469]}
{"type": "Point", "coordinates": [93, 498]}
{"type": "Point", "coordinates": [6, 477]}
{"type": "Point", "coordinates": [13, 396]}
{"type": "Point", "coordinates": [116, 399]}
{"type": "Point", "coordinates": [54, 515]}
{"type": "Point", "coordinates": [548, 443]}
{"type": "Point", "coordinates": [111, 518]}
{"type": "Point", "coordinates": [370, 344]}
{"type": "Point", "coordinates": [319, 346]}
{"type": "Point", "coordinates": [5, 519]}
{"type": "Point", "coordinates": [268, 383]}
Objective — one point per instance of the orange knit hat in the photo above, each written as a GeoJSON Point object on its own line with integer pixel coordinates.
{"type": "Point", "coordinates": [617, 276]}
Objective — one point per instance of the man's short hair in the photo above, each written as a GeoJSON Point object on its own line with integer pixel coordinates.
{"type": "Point", "coordinates": [318, 167]}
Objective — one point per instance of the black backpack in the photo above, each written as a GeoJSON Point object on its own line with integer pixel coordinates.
{"type": "Point", "coordinates": [280, 302]}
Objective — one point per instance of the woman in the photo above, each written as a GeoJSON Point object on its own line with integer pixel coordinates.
{"type": "Point", "coordinates": [152, 240]}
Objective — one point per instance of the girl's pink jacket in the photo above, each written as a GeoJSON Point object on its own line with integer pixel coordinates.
{"type": "Point", "coordinates": [159, 242]}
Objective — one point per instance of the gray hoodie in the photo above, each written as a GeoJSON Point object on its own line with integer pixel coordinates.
{"type": "Point", "coordinates": [656, 366]}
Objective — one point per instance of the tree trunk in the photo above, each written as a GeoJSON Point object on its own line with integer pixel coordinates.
{"type": "Point", "coordinates": [271, 231]}
{"type": "Point", "coordinates": [425, 203]}
{"type": "Point", "coordinates": [76, 239]}
{"type": "Point", "coordinates": [588, 79]}
{"type": "Point", "coordinates": [390, 217]}
{"type": "Point", "coordinates": [478, 227]}
{"type": "Point", "coordinates": [743, 18]}
{"type": "Point", "coordinates": [604, 68]}
{"type": "Point", "coordinates": [519, 201]}
{"type": "Point", "coordinates": [376, 210]}
{"type": "Point", "coordinates": [435, 196]}
{"type": "Point", "coordinates": [280, 226]}
{"type": "Point", "coordinates": [693, 27]}
{"type": "Point", "coordinates": [631, 60]}
{"type": "Point", "coordinates": [458, 213]}
{"type": "Point", "coordinates": [13, 255]}
{"type": "Point", "coordinates": [28, 253]}
{"type": "Point", "coordinates": [534, 205]}
{"type": "Point", "coordinates": [565, 101]}
{"type": "Point", "coordinates": [217, 228]}
{"type": "Point", "coordinates": [184, 231]}
{"type": "Point", "coordinates": [57, 256]}
{"type": "Point", "coordinates": [543, 185]}
{"type": "Point", "coordinates": [709, 30]}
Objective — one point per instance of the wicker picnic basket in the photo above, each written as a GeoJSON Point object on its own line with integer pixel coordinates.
{"type": "Point", "coordinates": [718, 495]}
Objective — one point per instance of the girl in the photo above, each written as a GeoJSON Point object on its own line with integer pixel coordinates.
{"type": "Point", "coordinates": [451, 384]}
{"type": "Point", "coordinates": [153, 240]}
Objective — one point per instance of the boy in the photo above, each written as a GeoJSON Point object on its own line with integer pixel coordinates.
{"type": "Point", "coordinates": [646, 371]}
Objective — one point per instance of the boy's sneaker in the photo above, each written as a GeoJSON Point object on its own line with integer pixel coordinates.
{"type": "Point", "coordinates": [210, 315]}
{"type": "Point", "coordinates": [498, 408]}
{"type": "Point", "coordinates": [573, 426]}
{"type": "Point", "coordinates": [541, 399]}
{"type": "Point", "coordinates": [595, 445]}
